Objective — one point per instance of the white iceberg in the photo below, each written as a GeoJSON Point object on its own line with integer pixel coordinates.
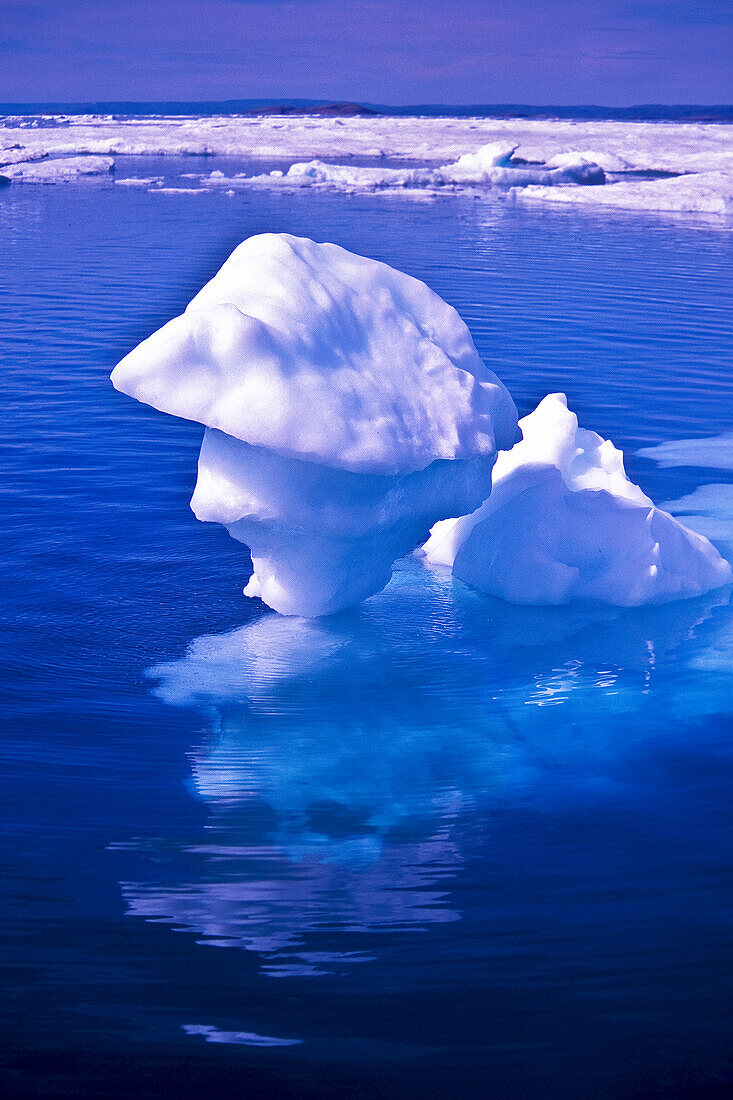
{"type": "Point", "coordinates": [346, 410]}
{"type": "Point", "coordinates": [564, 522]}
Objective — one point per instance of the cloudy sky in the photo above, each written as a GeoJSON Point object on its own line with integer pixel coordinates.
{"type": "Point", "coordinates": [610, 52]}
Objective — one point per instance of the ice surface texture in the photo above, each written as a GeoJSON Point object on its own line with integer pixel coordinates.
{"type": "Point", "coordinates": [564, 522]}
{"type": "Point", "coordinates": [346, 410]}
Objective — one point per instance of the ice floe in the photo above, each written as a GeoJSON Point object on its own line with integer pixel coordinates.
{"type": "Point", "coordinates": [213, 1034]}
{"type": "Point", "coordinates": [713, 452]}
{"type": "Point", "coordinates": [697, 193]}
{"type": "Point", "coordinates": [18, 154]}
{"type": "Point", "coordinates": [491, 166]}
{"type": "Point", "coordinates": [138, 181]}
{"type": "Point", "coordinates": [346, 410]}
{"type": "Point", "coordinates": [61, 170]}
{"type": "Point", "coordinates": [564, 522]}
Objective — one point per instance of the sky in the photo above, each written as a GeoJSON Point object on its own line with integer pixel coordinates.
{"type": "Point", "coordinates": [607, 52]}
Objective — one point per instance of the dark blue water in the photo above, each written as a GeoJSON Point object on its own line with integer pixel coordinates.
{"type": "Point", "coordinates": [436, 846]}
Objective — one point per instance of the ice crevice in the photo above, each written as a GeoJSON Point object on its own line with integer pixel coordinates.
{"type": "Point", "coordinates": [347, 413]}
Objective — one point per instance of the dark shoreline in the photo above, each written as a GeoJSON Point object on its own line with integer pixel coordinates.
{"type": "Point", "coordinates": [720, 113]}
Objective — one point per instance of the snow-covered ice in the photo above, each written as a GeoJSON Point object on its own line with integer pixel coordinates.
{"type": "Point", "coordinates": [547, 153]}
{"type": "Point", "coordinates": [62, 170]}
{"type": "Point", "coordinates": [490, 166]}
{"type": "Point", "coordinates": [697, 193]}
{"type": "Point", "coordinates": [346, 410]}
{"type": "Point", "coordinates": [667, 146]}
{"type": "Point", "coordinates": [564, 522]}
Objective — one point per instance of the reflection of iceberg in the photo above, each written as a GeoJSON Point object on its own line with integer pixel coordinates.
{"type": "Point", "coordinates": [297, 914]}
{"type": "Point", "coordinates": [347, 754]}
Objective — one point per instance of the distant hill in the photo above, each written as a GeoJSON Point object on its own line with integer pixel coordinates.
{"type": "Point", "coordinates": [326, 110]}
{"type": "Point", "coordinates": [650, 112]}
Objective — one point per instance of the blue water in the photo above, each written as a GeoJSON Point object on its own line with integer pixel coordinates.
{"type": "Point", "coordinates": [435, 846]}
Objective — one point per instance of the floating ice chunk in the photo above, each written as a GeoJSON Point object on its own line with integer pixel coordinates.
{"type": "Point", "coordinates": [63, 170]}
{"type": "Point", "coordinates": [18, 154]}
{"type": "Point", "coordinates": [697, 193]}
{"type": "Point", "coordinates": [178, 190]}
{"type": "Point", "coordinates": [564, 522]}
{"type": "Point", "coordinates": [138, 181]}
{"type": "Point", "coordinates": [238, 1038]}
{"type": "Point", "coordinates": [346, 409]}
{"type": "Point", "coordinates": [711, 452]}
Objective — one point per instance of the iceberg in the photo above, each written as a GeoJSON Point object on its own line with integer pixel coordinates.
{"type": "Point", "coordinates": [345, 407]}
{"type": "Point", "coordinates": [564, 522]}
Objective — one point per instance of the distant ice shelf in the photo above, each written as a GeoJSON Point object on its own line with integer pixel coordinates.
{"type": "Point", "coordinates": [551, 158]}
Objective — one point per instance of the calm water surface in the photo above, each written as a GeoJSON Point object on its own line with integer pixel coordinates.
{"type": "Point", "coordinates": [435, 846]}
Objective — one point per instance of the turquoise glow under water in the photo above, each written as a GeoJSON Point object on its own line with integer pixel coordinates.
{"type": "Point", "coordinates": [436, 845]}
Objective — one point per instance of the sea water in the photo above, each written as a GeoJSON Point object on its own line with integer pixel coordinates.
{"type": "Point", "coordinates": [437, 845]}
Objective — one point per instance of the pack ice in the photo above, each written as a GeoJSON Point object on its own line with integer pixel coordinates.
{"type": "Point", "coordinates": [564, 522]}
{"type": "Point", "coordinates": [346, 411]}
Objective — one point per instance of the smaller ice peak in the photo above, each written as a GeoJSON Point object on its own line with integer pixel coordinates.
{"type": "Point", "coordinates": [564, 522]}
{"type": "Point", "coordinates": [577, 168]}
{"type": "Point", "coordinates": [495, 154]}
